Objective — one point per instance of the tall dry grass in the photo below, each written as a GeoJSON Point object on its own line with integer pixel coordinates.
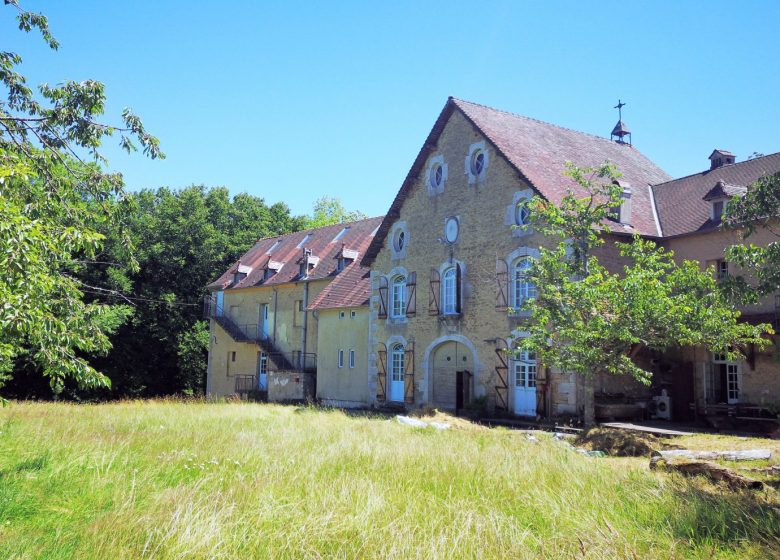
{"type": "Point", "coordinates": [153, 479]}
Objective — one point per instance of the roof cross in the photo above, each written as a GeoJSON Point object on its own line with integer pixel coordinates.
{"type": "Point", "coordinates": [619, 107]}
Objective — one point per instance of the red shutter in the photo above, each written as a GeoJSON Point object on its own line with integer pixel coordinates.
{"type": "Point", "coordinates": [411, 294]}
{"type": "Point", "coordinates": [381, 376]}
{"type": "Point", "coordinates": [502, 376]}
{"type": "Point", "coordinates": [409, 373]}
{"type": "Point", "coordinates": [458, 290]}
{"type": "Point", "coordinates": [502, 283]}
{"type": "Point", "coordinates": [383, 289]}
{"type": "Point", "coordinates": [433, 294]}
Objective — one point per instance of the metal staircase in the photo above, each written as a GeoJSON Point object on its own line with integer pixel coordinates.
{"type": "Point", "coordinates": [251, 334]}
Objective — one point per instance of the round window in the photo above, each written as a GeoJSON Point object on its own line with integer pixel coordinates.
{"type": "Point", "coordinates": [477, 162]}
{"type": "Point", "coordinates": [437, 175]}
{"type": "Point", "coordinates": [451, 230]}
{"type": "Point", "coordinates": [522, 213]}
{"type": "Point", "coordinates": [400, 240]}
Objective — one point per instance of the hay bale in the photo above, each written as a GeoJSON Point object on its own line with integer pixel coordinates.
{"type": "Point", "coordinates": [619, 443]}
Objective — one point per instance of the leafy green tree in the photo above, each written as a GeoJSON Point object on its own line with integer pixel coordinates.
{"type": "Point", "coordinates": [588, 320]}
{"type": "Point", "coordinates": [53, 206]}
{"type": "Point", "coordinates": [329, 210]}
{"type": "Point", "coordinates": [757, 211]}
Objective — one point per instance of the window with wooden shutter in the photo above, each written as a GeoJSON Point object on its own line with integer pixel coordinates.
{"type": "Point", "coordinates": [433, 294]}
{"type": "Point", "coordinates": [383, 290]}
{"type": "Point", "coordinates": [502, 376]}
{"type": "Point", "coordinates": [411, 294]}
{"type": "Point", "coordinates": [409, 373]}
{"type": "Point", "coordinates": [381, 376]}
{"type": "Point", "coordinates": [502, 277]}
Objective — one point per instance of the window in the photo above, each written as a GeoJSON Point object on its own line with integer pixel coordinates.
{"type": "Point", "coordinates": [522, 213]}
{"type": "Point", "coordinates": [451, 229]}
{"type": "Point", "coordinates": [400, 240]}
{"type": "Point", "coordinates": [232, 356]}
{"type": "Point", "coordinates": [721, 269]}
{"type": "Point", "coordinates": [353, 314]}
{"type": "Point", "coordinates": [299, 305]}
{"type": "Point", "coordinates": [477, 162]}
{"type": "Point", "coordinates": [398, 297]}
{"type": "Point", "coordinates": [397, 363]}
{"type": "Point", "coordinates": [341, 358]}
{"type": "Point", "coordinates": [525, 370]}
{"type": "Point", "coordinates": [524, 289]}
{"type": "Point", "coordinates": [450, 291]}
{"type": "Point", "coordinates": [723, 380]}
{"type": "Point", "coordinates": [351, 359]}
{"type": "Point", "coordinates": [717, 210]}
{"type": "Point", "coordinates": [341, 314]}
{"type": "Point", "coordinates": [263, 363]}
{"type": "Point", "coordinates": [436, 176]}
{"type": "Point", "coordinates": [341, 264]}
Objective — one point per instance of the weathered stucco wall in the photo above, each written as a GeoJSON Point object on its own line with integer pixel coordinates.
{"type": "Point", "coordinates": [339, 330]}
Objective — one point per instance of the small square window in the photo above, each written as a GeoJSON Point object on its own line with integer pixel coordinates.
{"type": "Point", "coordinates": [341, 314]}
{"type": "Point", "coordinates": [353, 314]}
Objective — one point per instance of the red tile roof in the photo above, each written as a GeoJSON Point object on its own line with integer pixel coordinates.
{"type": "Point", "coordinates": [287, 252]}
{"type": "Point", "coordinates": [351, 288]}
{"type": "Point", "coordinates": [681, 205]}
{"type": "Point", "coordinates": [539, 151]}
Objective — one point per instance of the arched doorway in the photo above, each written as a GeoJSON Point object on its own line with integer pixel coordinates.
{"type": "Point", "coordinates": [452, 376]}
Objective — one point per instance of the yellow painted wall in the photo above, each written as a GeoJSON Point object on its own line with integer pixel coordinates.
{"type": "Point", "coordinates": [343, 386]}
{"type": "Point", "coordinates": [284, 331]}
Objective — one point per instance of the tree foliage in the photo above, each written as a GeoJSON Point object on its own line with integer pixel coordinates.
{"type": "Point", "coordinates": [757, 211]}
{"type": "Point", "coordinates": [588, 320]}
{"type": "Point", "coordinates": [54, 202]}
{"type": "Point", "coordinates": [330, 210]}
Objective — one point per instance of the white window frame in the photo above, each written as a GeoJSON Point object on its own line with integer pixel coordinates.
{"type": "Point", "coordinates": [522, 288]}
{"type": "Point", "coordinates": [397, 362]}
{"type": "Point", "coordinates": [341, 358]}
{"type": "Point", "coordinates": [449, 291]}
{"type": "Point", "coordinates": [398, 297]}
{"type": "Point", "coordinates": [351, 358]}
{"type": "Point", "coordinates": [398, 229]}
{"type": "Point", "coordinates": [433, 164]}
{"type": "Point", "coordinates": [526, 370]}
{"type": "Point", "coordinates": [471, 172]}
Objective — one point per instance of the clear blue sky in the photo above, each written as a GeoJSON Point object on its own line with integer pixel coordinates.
{"type": "Point", "coordinates": [292, 101]}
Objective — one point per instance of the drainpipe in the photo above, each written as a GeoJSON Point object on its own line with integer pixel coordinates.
{"type": "Point", "coordinates": [276, 300]}
{"type": "Point", "coordinates": [305, 323]}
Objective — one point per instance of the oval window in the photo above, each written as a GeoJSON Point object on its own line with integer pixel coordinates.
{"type": "Point", "coordinates": [437, 175]}
{"type": "Point", "coordinates": [522, 213]}
{"type": "Point", "coordinates": [477, 162]}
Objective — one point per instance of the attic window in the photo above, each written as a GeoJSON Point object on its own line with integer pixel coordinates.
{"type": "Point", "coordinates": [304, 241]}
{"type": "Point", "coordinates": [268, 273]}
{"type": "Point", "coordinates": [717, 210]}
{"type": "Point", "coordinates": [342, 263]}
{"type": "Point", "coordinates": [476, 162]}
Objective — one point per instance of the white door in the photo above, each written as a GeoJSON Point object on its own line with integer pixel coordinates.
{"type": "Point", "coordinates": [525, 384]}
{"type": "Point", "coordinates": [264, 320]}
{"type": "Point", "coordinates": [397, 361]}
{"type": "Point", "coordinates": [262, 371]}
{"type": "Point", "coordinates": [220, 303]}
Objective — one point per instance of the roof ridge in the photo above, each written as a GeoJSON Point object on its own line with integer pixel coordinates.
{"type": "Point", "coordinates": [518, 115]}
{"type": "Point", "coordinates": [279, 235]}
{"type": "Point", "coordinates": [730, 165]}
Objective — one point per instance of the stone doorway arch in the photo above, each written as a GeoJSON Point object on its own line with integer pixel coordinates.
{"type": "Point", "coordinates": [451, 369]}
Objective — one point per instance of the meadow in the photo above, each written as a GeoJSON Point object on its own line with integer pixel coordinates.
{"type": "Point", "coordinates": [159, 479]}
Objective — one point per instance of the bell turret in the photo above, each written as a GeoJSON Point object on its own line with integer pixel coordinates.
{"type": "Point", "coordinates": [621, 133]}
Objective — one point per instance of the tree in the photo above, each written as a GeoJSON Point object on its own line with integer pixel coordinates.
{"type": "Point", "coordinates": [589, 321]}
{"type": "Point", "coordinates": [53, 204]}
{"type": "Point", "coordinates": [757, 211]}
{"type": "Point", "coordinates": [329, 210]}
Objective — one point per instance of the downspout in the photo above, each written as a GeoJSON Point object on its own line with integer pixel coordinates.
{"type": "Point", "coordinates": [276, 300]}
{"type": "Point", "coordinates": [305, 323]}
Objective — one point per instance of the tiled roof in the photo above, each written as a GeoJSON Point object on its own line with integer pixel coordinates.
{"type": "Point", "coordinates": [724, 190]}
{"type": "Point", "coordinates": [539, 152]}
{"type": "Point", "coordinates": [351, 288]}
{"type": "Point", "coordinates": [321, 241]}
{"type": "Point", "coordinates": [681, 205]}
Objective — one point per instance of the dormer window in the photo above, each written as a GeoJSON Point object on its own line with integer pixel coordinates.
{"type": "Point", "coordinates": [342, 263]}
{"type": "Point", "coordinates": [717, 211]}
{"type": "Point", "coordinates": [718, 196]}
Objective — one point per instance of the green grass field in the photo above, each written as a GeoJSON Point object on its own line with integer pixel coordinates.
{"type": "Point", "coordinates": [197, 480]}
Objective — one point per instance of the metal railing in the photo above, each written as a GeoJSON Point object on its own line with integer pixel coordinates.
{"type": "Point", "coordinates": [246, 384]}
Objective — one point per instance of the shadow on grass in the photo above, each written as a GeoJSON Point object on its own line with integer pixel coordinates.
{"type": "Point", "coordinates": [32, 464]}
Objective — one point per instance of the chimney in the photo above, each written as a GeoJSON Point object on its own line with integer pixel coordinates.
{"type": "Point", "coordinates": [719, 158]}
